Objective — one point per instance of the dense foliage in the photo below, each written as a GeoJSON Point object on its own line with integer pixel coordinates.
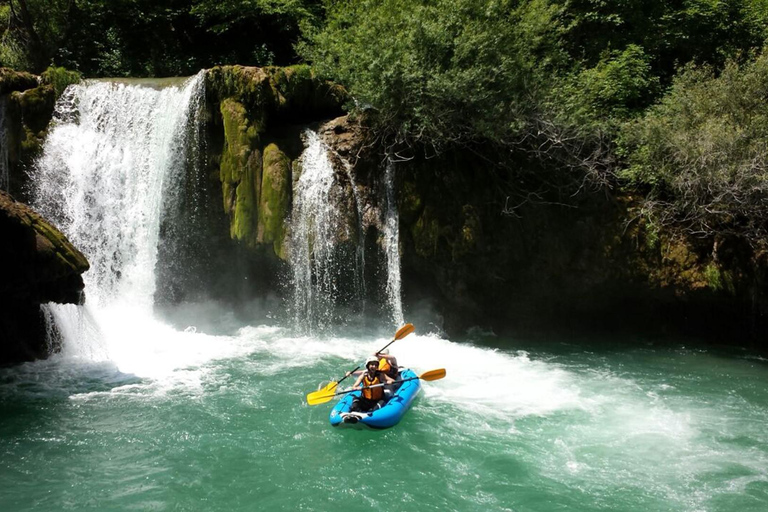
{"type": "Point", "coordinates": [702, 153]}
{"type": "Point", "coordinates": [151, 37]}
{"type": "Point", "coordinates": [664, 96]}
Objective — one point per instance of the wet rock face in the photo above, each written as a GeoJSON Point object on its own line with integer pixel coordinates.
{"type": "Point", "coordinates": [37, 265]}
{"type": "Point", "coordinates": [473, 255]}
{"type": "Point", "coordinates": [29, 107]}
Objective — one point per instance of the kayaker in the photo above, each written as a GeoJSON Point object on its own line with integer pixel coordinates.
{"type": "Point", "coordinates": [388, 364]}
{"type": "Point", "coordinates": [370, 397]}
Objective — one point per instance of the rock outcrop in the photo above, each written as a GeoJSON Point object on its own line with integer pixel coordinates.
{"type": "Point", "coordinates": [28, 102]}
{"type": "Point", "coordinates": [480, 248]}
{"type": "Point", "coordinates": [37, 265]}
{"type": "Point", "coordinates": [262, 112]}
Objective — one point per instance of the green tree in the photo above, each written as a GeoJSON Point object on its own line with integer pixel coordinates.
{"type": "Point", "coordinates": [33, 29]}
{"type": "Point", "coordinates": [439, 71]}
{"type": "Point", "coordinates": [701, 155]}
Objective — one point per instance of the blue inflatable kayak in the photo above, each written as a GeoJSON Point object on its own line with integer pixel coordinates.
{"type": "Point", "coordinates": [387, 416]}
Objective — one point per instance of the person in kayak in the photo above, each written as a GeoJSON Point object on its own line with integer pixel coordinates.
{"type": "Point", "coordinates": [370, 398]}
{"type": "Point", "coordinates": [388, 364]}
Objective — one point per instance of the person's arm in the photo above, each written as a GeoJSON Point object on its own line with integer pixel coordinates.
{"type": "Point", "coordinates": [387, 378]}
{"type": "Point", "coordinates": [357, 382]}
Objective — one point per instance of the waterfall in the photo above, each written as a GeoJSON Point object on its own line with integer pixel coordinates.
{"type": "Point", "coordinates": [5, 179]}
{"type": "Point", "coordinates": [327, 256]}
{"type": "Point", "coordinates": [315, 225]}
{"type": "Point", "coordinates": [114, 155]}
{"type": "Point", "coordinates": [392, 246]}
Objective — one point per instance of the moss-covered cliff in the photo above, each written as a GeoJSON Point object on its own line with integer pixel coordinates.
{"type": "Point", "coordinates": [28, 101]}
{"type": "Point", "coordinates": [261, 112]}
{"type": "Point", "coordinates": [37, 265]}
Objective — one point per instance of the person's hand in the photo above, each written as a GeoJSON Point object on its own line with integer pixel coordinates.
{"type": "Point", "coordinates": [347, 374]}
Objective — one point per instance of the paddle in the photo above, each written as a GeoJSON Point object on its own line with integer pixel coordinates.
{"type": "Point", "coordinates": [331, 386]}
{"type": "Point", "coordinates": [318, 398]}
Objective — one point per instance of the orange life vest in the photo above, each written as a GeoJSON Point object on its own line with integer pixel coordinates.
{"type": "Point", "coordinates": [375, 393]}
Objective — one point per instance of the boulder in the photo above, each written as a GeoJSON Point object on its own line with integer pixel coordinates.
{"type": "Point", "coordinates": [37, 265]}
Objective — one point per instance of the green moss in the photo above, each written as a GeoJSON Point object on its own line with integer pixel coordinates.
{"type": "Point", "coordinates": [275, 201]}
{"type": "Point", "coordinates": [293, 85]}
{"type": "Point", "coordinates": [469, 236]}
{"type": "Point", "coordinates": [719, 279]}
{"type": "Point", "coordinates": [240, 171]}
{"type": "Point", "coordinates": [65, 252]}
{"type": "Point", "coordinates": [11, 81]}
{"type": "Point", "coordinates": [60, 78]}
{"type": "Point", "coordinates": [410, 203]}
{"type": "Point", "coordinates": [425, 232]}
{"type": "Point", "coordinates": [249, 86]}
{"type": "Point", "coordinates": [713, 277]}
{"type": "Point", "coordinates": [651, 235]}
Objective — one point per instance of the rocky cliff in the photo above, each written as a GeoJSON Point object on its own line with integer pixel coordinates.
{"type": "Point", "coordinates": [37, 265]}
{"type": "Point", "coordinates": [480, 245]}
{"type": "Point", "coordinates": [483, 246]}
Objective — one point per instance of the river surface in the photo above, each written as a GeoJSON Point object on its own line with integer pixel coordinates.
{"type": "Point", "coordinates": [203, 411]}
{"type": "Point", "coordinates": [182, 420]}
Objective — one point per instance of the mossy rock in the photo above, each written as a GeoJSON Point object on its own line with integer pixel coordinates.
{"type": "Point", "coordinates": [425, 232]}
{"type": "Point", "coordinates": [60, 79]}
{"type": "Point", "coordinates": [36, 106]}
{"type": "Point", "coordinates": [249, 86]}
{"type": "Point", "coordinates": [240, 171]}
{"type": "Point", "coordinates": [275, 201]}
{"type": "Point", "coordinates": [11, 81]}
{"type": "Point", "coordinates": [292, 92]}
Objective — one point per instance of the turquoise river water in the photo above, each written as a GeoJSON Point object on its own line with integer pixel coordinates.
{"type": "Point", "coordinates": [191, 421]}
{"type": "Point", "coordinates": [141, 413]}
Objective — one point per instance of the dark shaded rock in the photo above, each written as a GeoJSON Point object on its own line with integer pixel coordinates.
{"type": "Point", "coordinates": [484, 246]}
{"type": "Point", "coordinates": [11, 81]}
{"type": "Point", "coordinates": [37, 265]}
{"type": "Point", "coordinates": [29, 108]}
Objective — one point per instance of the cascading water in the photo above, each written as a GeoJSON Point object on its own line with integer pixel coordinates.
{"type": "Point", "coordinates": [323, 264]}
{"type": "Point", "coordinates": [392, 246]}
{"type": "Point", "coordinates": [115, 154]}
{"type": "Point", "coordinates": [315, 225]}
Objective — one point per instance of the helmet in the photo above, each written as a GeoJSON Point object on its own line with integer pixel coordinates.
{"type": "Point", "coordinates": [371, 360]}
{"type": "Point", "coordinates": [384, 365]}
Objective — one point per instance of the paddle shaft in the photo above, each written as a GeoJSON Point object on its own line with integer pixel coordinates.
{"type": "Point", "coordinates": [375, 386]}
{"type": "Point", "coordinates": [401, 333]}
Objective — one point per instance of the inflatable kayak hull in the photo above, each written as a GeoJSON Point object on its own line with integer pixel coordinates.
{"type": "Point", "coordinates": [387, 416]}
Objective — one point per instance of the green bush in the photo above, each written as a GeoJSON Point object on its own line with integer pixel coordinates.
{"type": "Point", "coordinates": [701, 154]}
{"type": "Point", "coordinates": [442, 71]}
{"type": "Point", "coordinates": [60, 78]}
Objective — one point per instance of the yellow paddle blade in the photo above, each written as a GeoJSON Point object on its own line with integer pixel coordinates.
{"type": "Point", "coordinates": [319, 397]}
{"type": "Point", "coordinates": [433, 374]}
{"type": "Point", "coordinates": [328, 390]}
{"type": "Point", "coordinates": [404, 331]}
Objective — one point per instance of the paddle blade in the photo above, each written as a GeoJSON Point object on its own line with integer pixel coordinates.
{"type": "Point", "coordinates": [404, 331]}
{"type": "Point", "coordinates": [433, 374]}
{"type": "Point", "coordinates": [322, 395]}
{"type": "Point", "coordinates": [319, 397]}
